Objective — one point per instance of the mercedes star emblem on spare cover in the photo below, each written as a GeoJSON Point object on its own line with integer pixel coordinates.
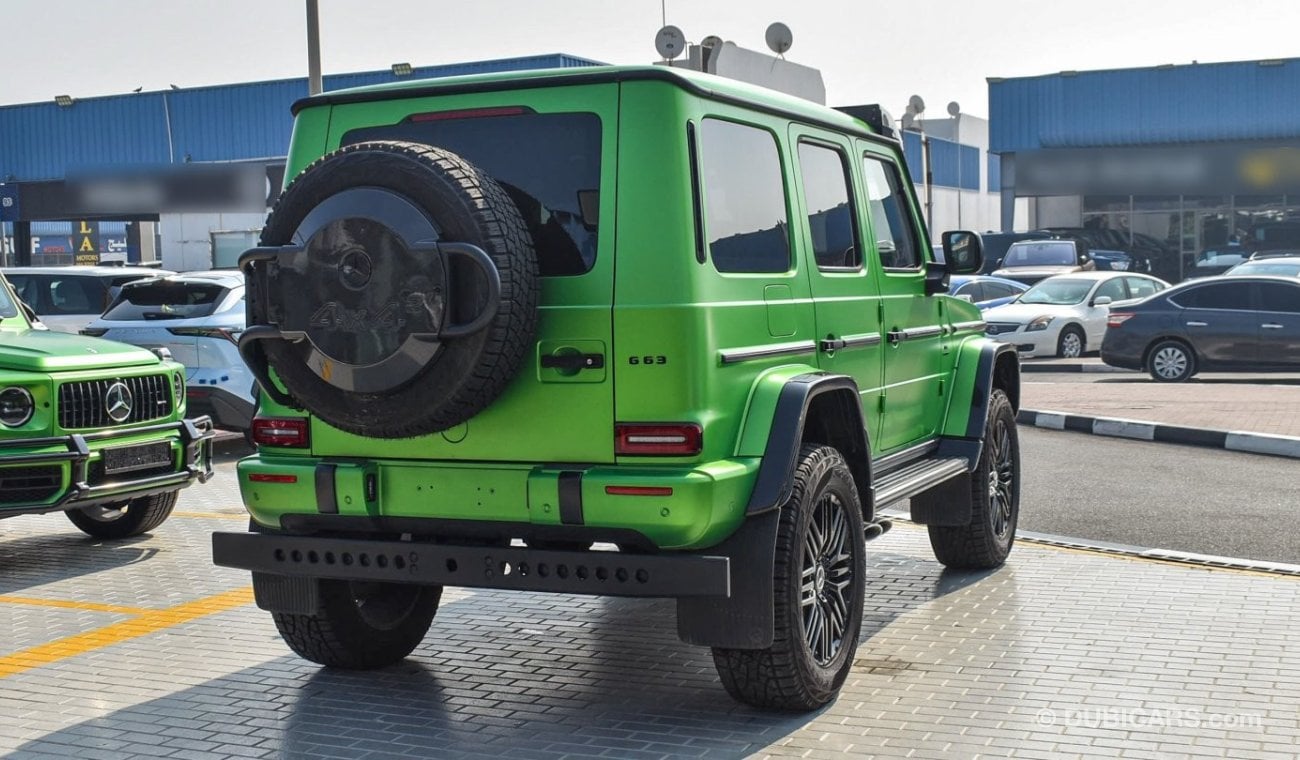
{"type": "Point", "coordinates": [118, 402]}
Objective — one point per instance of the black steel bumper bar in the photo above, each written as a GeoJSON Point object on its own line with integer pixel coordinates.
{"type": "Point", "coordinates": [517, 568]}
{"type": "Point", "coordinates": [196, 463]}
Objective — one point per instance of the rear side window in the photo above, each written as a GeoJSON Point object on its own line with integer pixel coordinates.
{"type": "Point", "coordinates": [1223, 295]}
{"type": "Point", "coordinates": [166, 299]}
{"type": "Point", "coordinates": [549, 164]}
{"type": "Point", "coordinates": [1141, 288]}
{"type": "Point", "coordinates": [1279, 297]}
{"type": "Point", "coordinates": [891, 219]}
{"type": "Point", "coordinates": [830, 214]}
{"type": "Point", "coordinates": [745, 219]}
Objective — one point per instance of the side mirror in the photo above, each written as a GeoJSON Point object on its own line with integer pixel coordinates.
{"type": "Point", "coordinates": [963, 252]}
{"type": "Point", "coordinates": [965, 297]}
{"type": "Point", "coordinates": [1102, 301]}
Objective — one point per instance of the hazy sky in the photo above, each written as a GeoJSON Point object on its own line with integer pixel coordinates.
{"type": "Point", "coordinates": [869, 50]}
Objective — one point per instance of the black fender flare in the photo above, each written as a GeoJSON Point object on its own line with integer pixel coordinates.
{"type": "Point", "coordinates": [780, 458]}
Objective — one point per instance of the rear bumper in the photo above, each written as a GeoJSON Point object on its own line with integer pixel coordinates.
{"type": "Point", "coordinates": [1122, 349]}
{"type": "Point", "coordinates": [515, 568]}
{"type": "Point", "coordinates": [191, 440]}
{"type": "Point", "coordinates": [676, 507]}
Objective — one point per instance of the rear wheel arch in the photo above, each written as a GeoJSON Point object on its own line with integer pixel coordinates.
{"type": "Point", "coordinates": [811, 408]}
{"type": "Point", "coordinates": [1151, 345]}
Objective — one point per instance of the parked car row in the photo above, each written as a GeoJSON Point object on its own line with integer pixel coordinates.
{"type": "Point", "coordinates": [1065, 315]}
{"type": "Point", "coordinates": [196, 317]}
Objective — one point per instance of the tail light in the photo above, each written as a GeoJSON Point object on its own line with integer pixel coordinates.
{"type": "Point", "coordinates": [207, 332]}
{"type": "Point", "coordinates": [1118, 318]}
{"type": "Point", "coordinates": [290, 432]}
{"type": "Point", "coordinates": [270, 477]}
{"type": "Point", "coordinates": [666, 440]}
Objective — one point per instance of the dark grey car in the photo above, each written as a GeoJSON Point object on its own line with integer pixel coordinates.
{"type": "Point", "coordinates": [1220, 324]}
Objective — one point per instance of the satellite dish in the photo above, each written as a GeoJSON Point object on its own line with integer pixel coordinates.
{"type": "Point", "coordinates": [670, 42]}
{"type": "Point", "coordinates": [918, 105]}
{"type": "Point", "coordinates": [954, 109]}
{"type": "Point", "coordinates": [711, 42]}
{"type": "Point", "coordinates": [779, 38]}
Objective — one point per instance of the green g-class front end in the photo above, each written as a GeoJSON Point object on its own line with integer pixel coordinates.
{"type": "Point", "coordinates": [624, 331]}
{"type": "Point", "coordinates": [92, 428]}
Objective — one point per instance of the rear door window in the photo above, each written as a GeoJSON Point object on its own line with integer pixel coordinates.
{"type": "Point", "coordinates": [745, 218]}
{"type": "Point", "coordinates": [549, 165]}
{"type": "Point", "coordinates": [1223, 295]}
{"type": "Point", "coordinates": [166, 299]}
{"type": "Point", "coordinates": [830, 213]}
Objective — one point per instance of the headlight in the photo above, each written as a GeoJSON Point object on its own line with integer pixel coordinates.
{"type": "Point", "coordinates": [178, 389]}
{"type": "Point", "coordinates": [16, 407]}
{"type": "Point", "coordinates": [1040, 323]}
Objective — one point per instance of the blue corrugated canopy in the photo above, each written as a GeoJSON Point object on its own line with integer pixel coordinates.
{"type": "Point", "coordinates": [1166, 105]}
{"type": "Point", "coordinates": [42, 141]}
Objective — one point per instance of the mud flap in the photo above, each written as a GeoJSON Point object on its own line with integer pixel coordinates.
{"type": "Point", "coordinates": [948, 503]}
{"type": "Point", "coordinates": [744, 619]}
{"type": "Point", "coordinates": [285, 594]}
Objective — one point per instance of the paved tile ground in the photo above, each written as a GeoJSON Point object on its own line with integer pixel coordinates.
{"type": "Point", "coordinates": [1058, 654]}
{"type": "Point", "coordinates": [1254, 404]}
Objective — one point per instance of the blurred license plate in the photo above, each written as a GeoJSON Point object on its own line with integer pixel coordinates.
{"type": "Point", "coordinates": [132, 458]}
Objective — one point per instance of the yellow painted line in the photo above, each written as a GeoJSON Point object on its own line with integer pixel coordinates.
{"type": "Point", "coordinates": [146, 623]}
{"type": "Point", "coordinates": [211, 515]}
{"type": "Point", "coordinates": [67, 605]}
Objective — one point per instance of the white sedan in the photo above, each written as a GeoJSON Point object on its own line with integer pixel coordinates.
{"type": "Point", "coordinates": [1066, 315]}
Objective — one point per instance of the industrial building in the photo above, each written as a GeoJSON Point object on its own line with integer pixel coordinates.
{"type": "Point", "coordinates": [1192, 157]}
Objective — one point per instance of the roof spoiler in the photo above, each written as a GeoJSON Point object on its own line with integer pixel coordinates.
{"type": "Point", "coordinates": [876, 117]}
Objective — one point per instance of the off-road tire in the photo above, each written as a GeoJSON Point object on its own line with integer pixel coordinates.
{"type": "Point", "coordinates": [787, 675]}
{"type": "Point", "coordinates": [1064, 346]}
{"type": "Point", "coordinates": [341, 635]}
{"type": "Point", "coordinates": [1162, 360]}
{"type": "Point", "coordinates": [987, 540]}
{"type": "Point", "coordinates": [466, 205]}
{"type": "Point", "coordinates": [137, 516]}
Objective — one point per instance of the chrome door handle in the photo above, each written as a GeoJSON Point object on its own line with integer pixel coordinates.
{"type": "Point", "coordinates": [1271, 326]}
{"type": "Point", "coordinates": [1198, 324]}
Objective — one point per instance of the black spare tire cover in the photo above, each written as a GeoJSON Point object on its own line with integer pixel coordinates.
{"type": "Point", "coordinates": [390, 335]}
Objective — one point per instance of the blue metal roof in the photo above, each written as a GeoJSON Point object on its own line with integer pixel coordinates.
{"type": "Point", "coordinates": [41, 141]}
{"type": "Point", "coordinates": [1165, 105]}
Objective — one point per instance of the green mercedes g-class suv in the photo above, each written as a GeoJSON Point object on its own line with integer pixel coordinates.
{"type": "Point", "coordinates": [622, 331]}
{"type": "Point", "coordinates": [92, 428]}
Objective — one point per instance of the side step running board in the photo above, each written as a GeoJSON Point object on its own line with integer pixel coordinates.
{"type": "Point", "coordinates": [908, 481]}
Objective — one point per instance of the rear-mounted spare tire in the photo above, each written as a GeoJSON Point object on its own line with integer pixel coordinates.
{"type": "Point", "coordinates": [394, 322]}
